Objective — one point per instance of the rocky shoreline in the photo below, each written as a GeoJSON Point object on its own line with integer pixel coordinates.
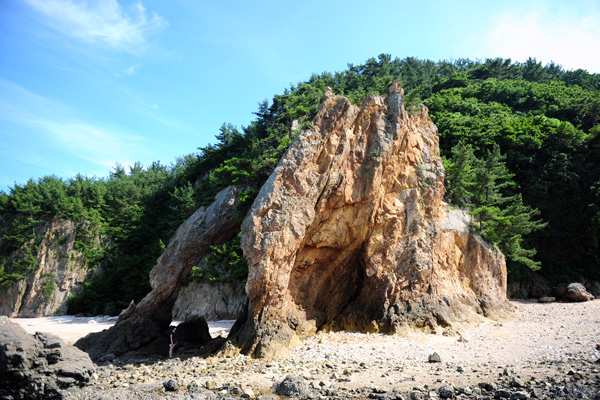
{"type": "Point", "coordinates": [543, 351]}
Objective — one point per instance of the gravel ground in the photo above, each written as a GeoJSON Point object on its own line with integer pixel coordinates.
{"type": "Point", "coordinates": [543, 350]}
{"type": "Point", "coordinates": [537, 339]}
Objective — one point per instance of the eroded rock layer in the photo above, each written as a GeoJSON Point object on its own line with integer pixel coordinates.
{"type": "Point", "coordinates": [351, 232]}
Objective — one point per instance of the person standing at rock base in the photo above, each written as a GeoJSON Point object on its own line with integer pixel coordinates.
{"type": "Point", "coordinates": [172, 341]}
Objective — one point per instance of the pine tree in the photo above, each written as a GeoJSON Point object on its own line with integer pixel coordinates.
{"type": "Point", "coordinates": [460, 174]}
{"type": "Point", "coordinates": [484, 186]}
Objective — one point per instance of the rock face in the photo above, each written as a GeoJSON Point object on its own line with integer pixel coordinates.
{"type": "Point", "coordinates": [211, 300]}
{"type": "Point", "coordinates": [577, 292]}
{"type": "Point", "coordinates": [350, 232]}
{"type": "Point", "coordinates": [39, 366]}
{"type": "Point", "coordinates": [61, 271]}
{"type": "Point", "coordinates": [145, 324]}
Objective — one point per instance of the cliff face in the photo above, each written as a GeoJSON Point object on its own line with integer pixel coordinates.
{"type": "Point", "coordinates": [212, 300]}
{"type": "Point", "coordinates": [61, 272]}
{"type": "Point", "coordinates": [351, 232]}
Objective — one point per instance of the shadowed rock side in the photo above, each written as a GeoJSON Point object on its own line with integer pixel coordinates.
{"type": "Point", "coordinates": [142, 325]}
{"type": "Point", "coordinates": [350, 232]}
{"type": "Point", "coordinates": [39, 366]}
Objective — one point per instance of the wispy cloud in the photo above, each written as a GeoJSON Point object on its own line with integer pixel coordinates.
{"type": "Point", "coordinates": [103, 22]}
{"type": "Point", "coordinates": [567, 36]}
{"type": "Point", "coordinates": [55, 127]}
{"type": "Point", "coordinates": [99, 145]}
{"type": "Point", "coordinates": [131, 70]}
{"type": "Point", "coordinates": [151, 110]}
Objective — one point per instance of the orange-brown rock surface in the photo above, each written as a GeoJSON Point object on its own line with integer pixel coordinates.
{"type": "Point", "coordinates": [350, 232]}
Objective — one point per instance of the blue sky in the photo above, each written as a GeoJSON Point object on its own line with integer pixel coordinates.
{"type": "Point", "coordinates": [85, 85]}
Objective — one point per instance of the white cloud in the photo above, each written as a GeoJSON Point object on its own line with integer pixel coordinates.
{"type": "Point", "coordinates": [100, 145]}
{"type": "Point", "coordinates": [131, 70]}
{"type": "Point", "coordinates": [52, 127]}
{"type": "Point", "coordinates": [567, 36]}
{"type": "Point", "coordinates": [102, 22]}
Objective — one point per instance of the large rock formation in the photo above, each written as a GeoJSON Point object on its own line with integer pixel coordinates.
{"type": "Point", "coordinates": [39, 366]}
{"type": "Point", "coordinates": [60, 271]}
{"type": "Point", "coordinates": [144, 324]}
{"type": "Point", "coordinates": [351, 232]}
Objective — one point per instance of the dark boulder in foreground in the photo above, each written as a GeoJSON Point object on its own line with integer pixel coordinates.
{"type": "Point", "coordinates": [138, 333]}
{"type": "Point", "coordinates": [39, 366]}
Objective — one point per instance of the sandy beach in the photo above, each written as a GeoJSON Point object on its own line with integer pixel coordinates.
{"type": "Point", "coordinates": [70, 328]}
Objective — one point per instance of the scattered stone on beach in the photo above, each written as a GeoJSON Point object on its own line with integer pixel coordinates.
{"type": "Point", "coordinates": [446, 392]}
{"type": "Point", "coordinates": [577, 292]}
{"type": "Point", "coordinates": [292, 386]}
{"type": "Point", "coordinates": [171, 385]}
{"type": "Point", "coordinates": [515, 381]}
{"type": "Point", "coordinates": [546, 299]}
{"type": "Point", "coordinates": [211, 385]}
{"type": "Point", "coordinates": [550, 348]}
{"type": "Point", "coordinates": [435, 358]}
{"type": "Point", "coordinates": [488, 386]}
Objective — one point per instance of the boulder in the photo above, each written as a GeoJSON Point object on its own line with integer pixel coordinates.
{"type": "Point", "coordinates": [137, 333]}
{"type": "Point", "coordinates": [560, 291]}
{"type": "Point", "coordinates": [350, 232]}
{"type": "Point", "coordinates": [594, 289]}
{"type": "Point", "coordinates": [546, 299]}
{"type": "Point", "coordinates": [144, 327]}
{"type": "Point", "coordinates": [576, 292]}
{"type": "Point", "coordinates": [193, 331]}
{"type": "Point", "coordinates": [39, 366]}
{"type": "Point", "coordinates": [292, 386]}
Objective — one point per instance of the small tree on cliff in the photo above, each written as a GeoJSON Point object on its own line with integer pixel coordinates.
{"type": "Point", "coordinates": [484, 185]}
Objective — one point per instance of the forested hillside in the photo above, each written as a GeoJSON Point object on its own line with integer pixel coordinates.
{"type": "Point", "coordinates": [521, 143]}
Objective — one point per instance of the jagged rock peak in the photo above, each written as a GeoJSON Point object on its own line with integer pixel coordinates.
{"type": "Point", "coordinates": [351, 232]}
{"type": "Point", "coordinates": [396, 87]}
